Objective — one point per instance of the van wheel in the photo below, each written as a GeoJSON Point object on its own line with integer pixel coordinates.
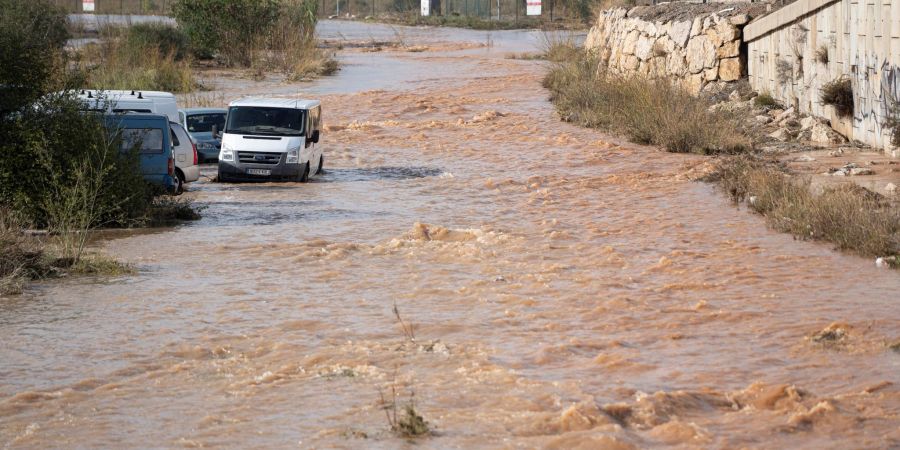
{"type": "Point", "coordinates": [304, 173]}
{"type": "Point", "coordinates": [321, 169]}
{"type": "Point", "coordinates": [221, 178]}
{"type": "Point", "coordinates": [179, 178]}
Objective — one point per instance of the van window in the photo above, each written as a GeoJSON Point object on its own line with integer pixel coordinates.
{"type": "Point", "coordinates": [265, 121]}
{"type": "Point", "coordinates": [175, 142]}
{"type": "Point", "coordinates": [119, 111]}
{"type": "Point", "coordinates": [149, 140]}
{"type": "Point", "coordinates": [203, 123]}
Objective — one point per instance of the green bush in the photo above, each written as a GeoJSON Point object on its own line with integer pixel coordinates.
{"type": "Point", "coordinates": [236, 30]}
{"type": "Point", "coordinates": [32, 36]}
{"type": "Point", "coordinates": [48, 144]}
{"type": "Point", "coordinates": [226, 28]}
{"type": "Point", "coordinates": [167, 39]}
{"type": "Point", "coordinates": [50, 148]}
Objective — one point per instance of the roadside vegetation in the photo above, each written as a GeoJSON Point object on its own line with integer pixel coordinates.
{"type": "Point", "coordinates": [62, 173]}
{"type": "Point", "coordinates": [413, 18]}
{"type": "Point", "coordinates": [852, 218]}
{"type": "Point", "coordinates": [655, 112]}
{"type": "Point", "coordinates": [263, 36]}
{"type": "Point", "coordinates": [646, 111]}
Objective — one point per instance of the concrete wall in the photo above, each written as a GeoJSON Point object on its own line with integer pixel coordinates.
{"type": "Point", "coordinates": [693, 50]}
{"type": "Point", "coordinates": [862, 41]}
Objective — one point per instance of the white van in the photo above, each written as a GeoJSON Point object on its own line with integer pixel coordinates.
{"type": "Point", "coordinates": [154, 102]}
{"type": "Point", "coordinates": [271, 138]}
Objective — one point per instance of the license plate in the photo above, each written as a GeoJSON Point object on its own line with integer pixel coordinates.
{"type": "Point", "coordinates": [259, 172]}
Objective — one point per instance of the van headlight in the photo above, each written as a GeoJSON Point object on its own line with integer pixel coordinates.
{"type": "Point", "coordinates": [293, 156]}
{"type": "Point", "coordinates": [226, 154]}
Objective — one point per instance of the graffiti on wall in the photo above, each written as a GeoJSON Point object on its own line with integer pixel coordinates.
{"type": "Point", "coordinates": [890, 96]}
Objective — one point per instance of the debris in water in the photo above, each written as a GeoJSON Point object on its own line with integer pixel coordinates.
{"type": "Point", "coordinates": [885, 262]}
{"type": "Point", "coordinates": [834, 334]}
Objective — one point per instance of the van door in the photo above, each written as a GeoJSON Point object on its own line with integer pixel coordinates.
{"type": "Point", "coordinates": [150, 144]}
{"type": "Point", "coordinates": [314, 124]}
{"type": "Point", "coordinates": [150, 137]}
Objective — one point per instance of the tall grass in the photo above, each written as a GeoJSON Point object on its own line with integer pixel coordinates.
{"type": "Point", "coordinates": [559, 47]}
{"type": "Point", "coordinates": [145, 57]}
{"type": "Point", "coordinates": [646, 111]}
{"type": "Point", "coordinates": [852, 218]}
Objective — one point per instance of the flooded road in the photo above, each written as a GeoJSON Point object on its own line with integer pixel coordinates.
{"type": "Point", "coordinates": [568, 290]}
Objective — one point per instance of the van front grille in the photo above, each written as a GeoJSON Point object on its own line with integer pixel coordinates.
{"type": "Point", "coordinates": [258, 157]}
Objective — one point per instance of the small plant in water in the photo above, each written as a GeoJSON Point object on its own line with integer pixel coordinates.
{"type": "Point", "coordinates": [408, 329]}
{"type": "Point", "coordinates": [408, 423]}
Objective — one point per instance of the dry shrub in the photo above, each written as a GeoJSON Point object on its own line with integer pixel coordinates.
{"type": "Point", "coordinates": [822, 54]}
{"type": "Point", "coordinates": [839, 94]}
{"type": "Point", "coordinates": [613, 4]}
{"type": "Point", "coordinates": [290, 45]}
{"type": "Point", "coordinates": [851, 217]}
{"type": "Point", "coordinates": [765, 100]}
{"type": "Point", "coordinates": [21, 256]}
{"type": "Point", "coordinates": [647, 111]}
{"type": "Point", "coordinates": [559, 47]}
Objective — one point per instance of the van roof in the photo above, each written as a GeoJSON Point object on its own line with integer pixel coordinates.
{"type": "Point", "coordinates": [190, 111]}
{"type": "Point", "coordinates": [130, 117]}
{"type": "Point", "coordinates": [276, 103]}
{"type": "Point", "coordinates": [120, 93]}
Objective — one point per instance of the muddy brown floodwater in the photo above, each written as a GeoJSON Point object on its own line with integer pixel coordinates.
{"type": "Point", "coordinates": [568, 290]}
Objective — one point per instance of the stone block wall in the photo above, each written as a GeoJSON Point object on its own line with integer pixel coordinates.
{"type": "Point", "coordinates": [688, 46]}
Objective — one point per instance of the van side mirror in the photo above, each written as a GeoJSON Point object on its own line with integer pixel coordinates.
{"type": "Point", "coordinates": [315, 136]}
{"type": "Point", "coordinates": [215, 131]}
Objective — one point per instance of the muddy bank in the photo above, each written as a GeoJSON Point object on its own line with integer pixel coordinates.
{"type": "Point", "coordinates": [568, 289]}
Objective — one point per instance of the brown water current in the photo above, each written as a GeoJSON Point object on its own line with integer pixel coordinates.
{"type": "Point", "coordinates": [568, 290]}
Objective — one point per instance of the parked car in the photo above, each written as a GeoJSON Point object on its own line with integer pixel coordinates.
{"type": "Point", "coordinates": [185, 151]}
{"type": "Point", "coordinates": [271, 138]}
{"type": "Point", "coordinates": [151, 135]}
{"type": "Point", "coordinates": [205, 126]}
{"type": "Point", "coordinates": [153, 102]}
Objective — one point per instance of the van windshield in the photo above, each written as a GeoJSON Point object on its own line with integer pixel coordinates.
{"type": "Point", "coordinates": [265, 121]}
